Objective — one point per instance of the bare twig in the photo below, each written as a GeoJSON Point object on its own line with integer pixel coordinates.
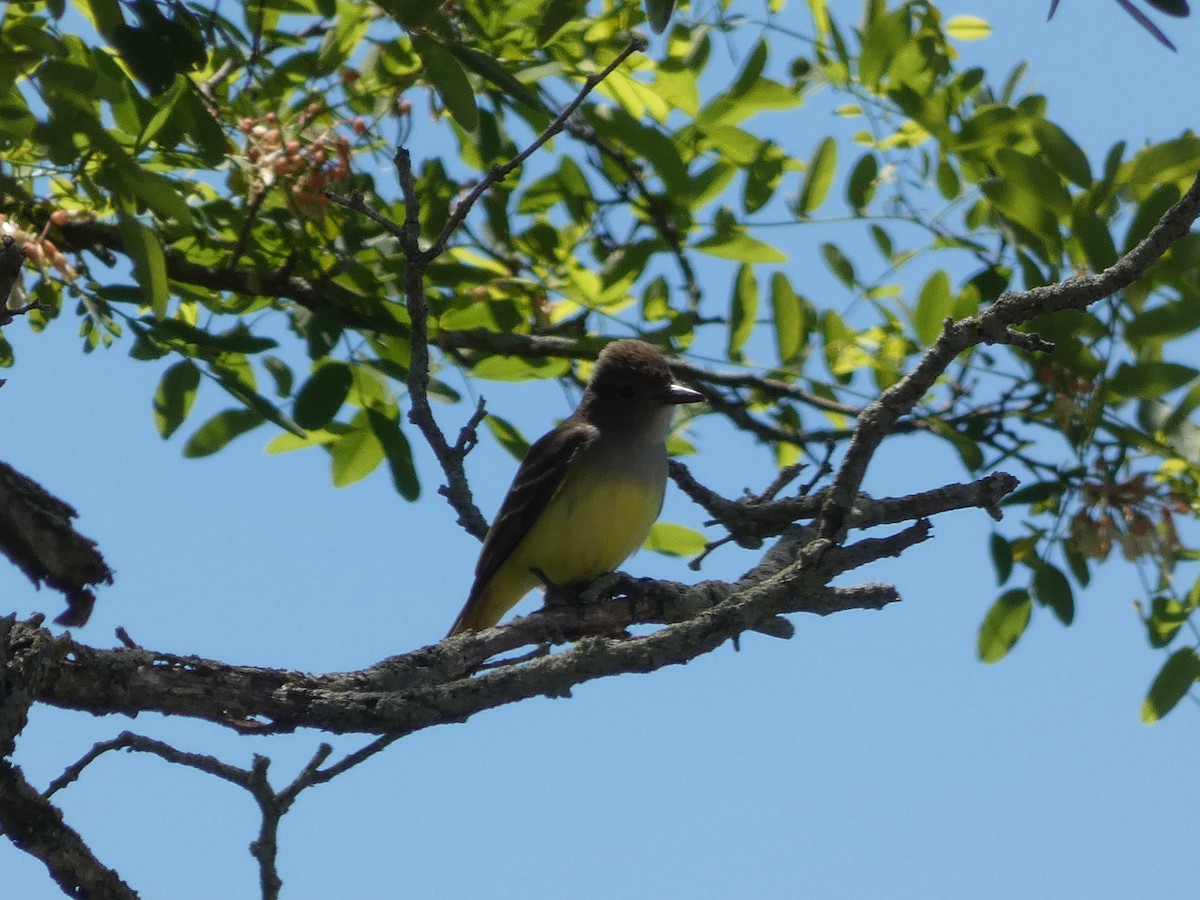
{"type": "Point", "coordinates": [458, 490]}
{"type": "Point", "coordinates": [636, 45]}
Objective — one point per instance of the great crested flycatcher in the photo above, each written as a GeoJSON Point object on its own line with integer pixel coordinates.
{"type": "Point", "coordinates": [586, 494]}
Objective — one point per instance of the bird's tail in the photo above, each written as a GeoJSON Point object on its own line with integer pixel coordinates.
{"type": "Point", "coordinates": [477, 614]}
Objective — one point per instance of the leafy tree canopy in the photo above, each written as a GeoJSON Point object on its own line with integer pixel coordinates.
{"type": "Point", "coordinates": [216, 190]}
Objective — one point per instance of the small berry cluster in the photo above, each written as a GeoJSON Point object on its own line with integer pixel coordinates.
{"type": "Point", "coordinates": [307, 162]}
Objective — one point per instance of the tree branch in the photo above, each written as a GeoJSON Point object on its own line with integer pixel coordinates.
{"type": "Point", "coordinates": [993, 325]}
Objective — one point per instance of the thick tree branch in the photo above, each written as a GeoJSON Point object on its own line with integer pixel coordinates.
{"type": "Point", "coordinates": [27, 818]}
{"type": "Point", "coordinates": [434, 685]}
{"type": "Point", "coordinates": [34, 825]}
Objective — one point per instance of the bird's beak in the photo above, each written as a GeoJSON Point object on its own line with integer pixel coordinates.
{"type": "Point", "coordinates": [677, 394]}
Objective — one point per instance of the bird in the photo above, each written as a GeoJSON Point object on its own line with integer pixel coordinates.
{"type": "Point", "coordinates": [587, 492]}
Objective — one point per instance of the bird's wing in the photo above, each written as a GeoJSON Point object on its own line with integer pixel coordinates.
{"type": "Point", "coordinates": [537, 481]}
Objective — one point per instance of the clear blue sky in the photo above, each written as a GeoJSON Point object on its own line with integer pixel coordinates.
{"type": "Point", "coordinates": [871, 756]}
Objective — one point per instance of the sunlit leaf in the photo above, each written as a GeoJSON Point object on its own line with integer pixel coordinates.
{"type": "Point", "coordinates": [934, 304]}
{"type": "Point", "coordinates": [743, 310]}
{"type": "Point", "coordinates": [839, 264]}
{"type": "Point", "coordinates": [734, 243]}
{"type": "Point", "coordinates": [1003, 625]}
{"type": "Point", "coordinates": [674, 540]}
{"type": "Point", "coordinates": [818, 177]}
{"type": "Point", "coordinates": [787, 318]}
{"type": "Point", "coordinates": [220, 430]}
{"type": "Point", "coordinates": [508, 435]}
{"type": "Point", "coordinates": [967, 28]}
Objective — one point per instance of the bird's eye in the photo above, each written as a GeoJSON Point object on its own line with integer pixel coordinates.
{"type": "Point", "coordinates": [625, 391]}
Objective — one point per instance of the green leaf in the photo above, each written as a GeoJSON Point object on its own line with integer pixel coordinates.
{"type": "Point", "coordinates": [555, 15]}
{"type": "Point", "coordinates": [149, 263]}
{"type": "Point", "coordinates": [1165, 162]}
{"type": "Point", "coordinates": [166, 109]}
{"type": "Point", "coordinates": [1149, 380]}
{"type": "Point", "coordinates": [934, 305]}
{"type": "Point", "coordinates": [949, 185]}
{"type": "Point", "coordinates": [763, 175]}
{"type": "Point", "coordinates": [1095, 238]}
{"type": "Point", "coordinates": [881, 43]}
{"type": "Point", "coordinates": [787, 315]}
{"type": "Point", "coordinates": [743, 311]}
{"type": "Point", "coordinates": [838, 263]}
{"type": "Point", "coordinates": [322, 395]}
{"type": "Point", "coordinates": [1002, 557]}
{"type": "Point", "coordinates": [1063, 153]}
{"type": "Point", "coordinates": [237, 339]}
{"type": "Point", "coordinates": [449, 81]}
{"type": "Point", "coordinates": [1171, 320]}
{"type": "Point", "coordinates": [861, 186]}
{"type": "Point", "coordinates": [730, 241]}
{"type": "Point", "coordinates": [1027, 209]}
{"type": "Point", "coordinates": [508, 435]}
{"type": "Point", "coordinates": [322, 330]}
{"type": "Point", "coordinates": [286, 442]}
{"type": "Point", "coordinates": [356, 454]}
{"type": "Point", "coordinates": [883, 242]}
{"type": "Point", "coordinates": [174, 396]}
{"type": "Point", "coordinates": [967, 28]}
{"type": "Point", "coordinates": [1171, 685]}
{"type": "Point", "coordinates": [818, 178]}
{"type": "Point", "coordinates": [1078, 565]}
{"type": "Point", "coordinates": [397, 451]}
{"type": "Point", "coordinates": [1003, 625]}
{"type": "Point", "coordinates": [658, 12]}
{"type": "Point", "coordinates": [518, 368]}
{"type": "Point", "coordinates": [1038, 492]}
{"type": "Point", "coordinates": [1051, 588]}
{"type": "Point", "coordinates": [491, 69]}
{"type": "Point", "coordinates": [220, 430]}
{"type": "Point", "coordinates": [238, 381]}
{"type": "Point", "coordinates": [1166, 617]}
{"type": "Point", "coordinates": [1031, 176]}
{"type": "Point", "coordinates": [967, 449]}
{"type": "Point", "coordinates": [675, 540]}
{"type": "Point", "coordinates": [280, 373]}
{"type": "Point", "coordinates": [1149, 211]}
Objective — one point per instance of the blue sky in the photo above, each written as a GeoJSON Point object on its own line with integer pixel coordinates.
{"type": "Point", "coordinates": [871, 756]}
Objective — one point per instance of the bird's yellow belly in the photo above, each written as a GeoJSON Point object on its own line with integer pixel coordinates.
{"type": "Point", "coordinates": [585, 533]}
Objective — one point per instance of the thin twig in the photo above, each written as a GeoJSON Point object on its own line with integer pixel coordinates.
{"type": "Point", "coordinates": [636, 45]}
